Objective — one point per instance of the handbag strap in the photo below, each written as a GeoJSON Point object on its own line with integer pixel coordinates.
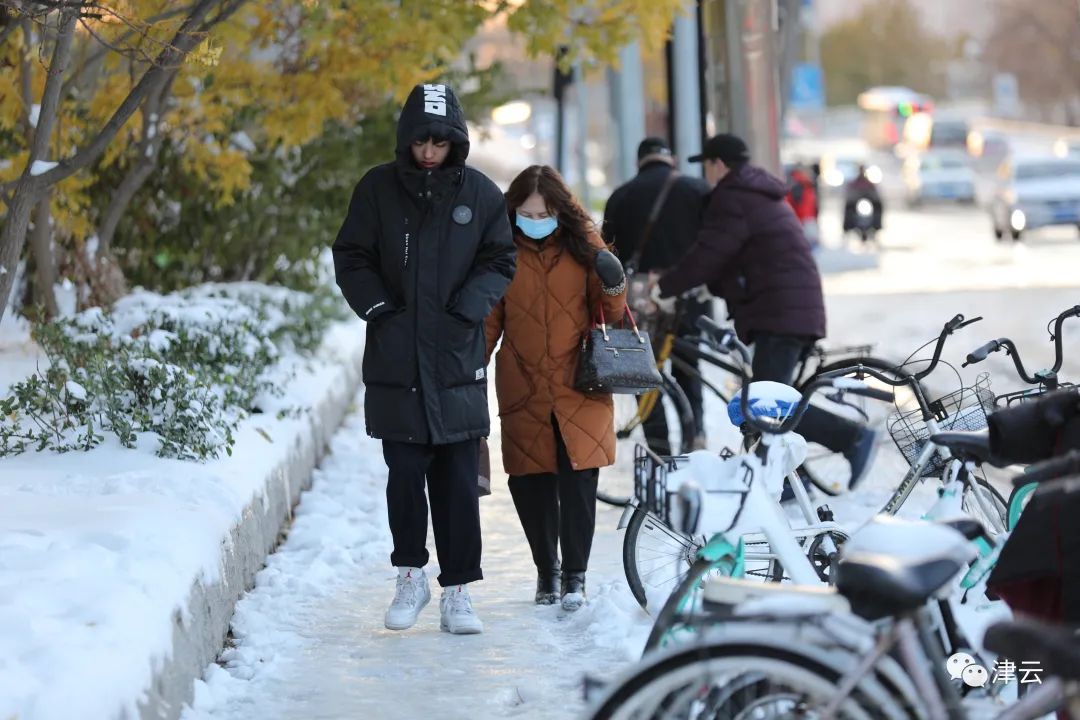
{"type": "Point", "coordinates": [654, 215]}
{"type": "Point", "coordinates": [626, 314]}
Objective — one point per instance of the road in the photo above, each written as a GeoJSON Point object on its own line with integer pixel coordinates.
{"type": "Point", "coordinates": [948, 249]}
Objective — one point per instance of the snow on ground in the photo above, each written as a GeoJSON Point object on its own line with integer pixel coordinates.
{"type": "Point", "coordinates": [19, 356]}
{"type": "Point", "coordinates": [99, 549]}
{"type": "Point", "coordinates": [309, 640]}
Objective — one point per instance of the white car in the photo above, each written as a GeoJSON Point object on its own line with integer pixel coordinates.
{"type": "Point", "coordinates": [941, 175]}
{"type": "Point", "coordinates": [1034, 193]}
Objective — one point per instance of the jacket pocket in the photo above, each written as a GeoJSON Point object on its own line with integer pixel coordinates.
{"type": "Point", "coordinates": [390, 352]}
{"type": "Point", "coordinates": [513, 386]}
{"type": "Point", "coordinates": [461, 353]}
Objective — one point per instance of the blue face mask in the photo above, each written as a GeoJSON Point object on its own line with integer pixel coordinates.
{"type": "Point", "coordinates": [537, 229]}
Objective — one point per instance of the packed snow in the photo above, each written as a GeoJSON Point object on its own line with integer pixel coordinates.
{"type": "Point", "coordinates": [309, 640]}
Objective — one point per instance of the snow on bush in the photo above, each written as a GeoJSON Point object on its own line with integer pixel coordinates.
{"type": "Point", "coordinates": [185, 367]}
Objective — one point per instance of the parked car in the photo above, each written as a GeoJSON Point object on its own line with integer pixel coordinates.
{"type": "Point", "coordinates": [1036, 192]}
{"type": "Point", "coordinates": [939, 175]}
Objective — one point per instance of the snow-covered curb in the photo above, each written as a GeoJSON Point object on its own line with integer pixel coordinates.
{"type": "Point", "coordinates": [119, 570]}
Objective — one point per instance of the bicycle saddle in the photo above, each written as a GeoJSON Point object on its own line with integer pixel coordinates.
{"type": "Point", "coordinates": [1056, 648]}
{"type": "Point", "coordinates": [772, 400]}
{"type": "Point", "coordinates": [891, 566]}
{"type": "Point", "coordinates": [971, 445]}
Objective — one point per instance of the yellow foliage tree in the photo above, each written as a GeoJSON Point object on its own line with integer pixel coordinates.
{"type": "Point", "coordinates": [108, 83]}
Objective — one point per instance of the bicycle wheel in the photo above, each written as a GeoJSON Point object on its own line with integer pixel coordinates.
{"type": "Point", "coordinates": [997, 521]}
{"type": "Point", "coordinates": [827, 469]}
{"type": "Point", "coordinates": [661, 420]}
{"type": "Point", "coordinates": [655, 557]}
{"type": "Point", "coordinates": [734, 682]}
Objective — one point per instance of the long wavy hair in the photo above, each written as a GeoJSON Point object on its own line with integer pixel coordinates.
{"type": "Point", "coordinates": [575, 225]}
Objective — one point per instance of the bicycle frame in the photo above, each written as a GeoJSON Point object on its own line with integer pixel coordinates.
{"type": "Point", "coordinates": [924, 662]}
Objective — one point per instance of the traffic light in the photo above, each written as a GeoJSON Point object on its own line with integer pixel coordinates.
{"type": "Point", "coordinates": [907, 109]}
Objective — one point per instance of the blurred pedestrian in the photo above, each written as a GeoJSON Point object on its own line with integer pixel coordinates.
{"type": "Point", "coordinates": [650, 248]}
{"type": "Point", "coordinates": [802, 196]}
{"type": "Point", "coordinates": [751, 251]}
{"type": "Point", "coordinates": [424, 254]}
{"type": "Point", "coordinates": [554, 438]}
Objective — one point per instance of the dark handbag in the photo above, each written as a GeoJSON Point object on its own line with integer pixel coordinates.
{"type": "Point", "coordinates": [616, 360]}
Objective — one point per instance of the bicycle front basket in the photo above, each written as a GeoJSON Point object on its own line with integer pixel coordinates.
{"type": "Point", "coordinates": [964, 409]}
{"type": "Point", "coordinates": [650, 480]}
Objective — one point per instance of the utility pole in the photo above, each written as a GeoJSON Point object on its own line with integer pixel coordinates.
{"type": "Point", "coordinates": [562, 81]}
{"type": "Point", "coordinates": [686, 87]}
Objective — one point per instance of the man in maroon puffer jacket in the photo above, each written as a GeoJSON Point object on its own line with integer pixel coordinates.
{"type": "Point", "coordinates": [752, 252]}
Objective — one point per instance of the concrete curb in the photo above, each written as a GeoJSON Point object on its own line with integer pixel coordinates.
{"type": "Point", "coordinates": [200, 631]}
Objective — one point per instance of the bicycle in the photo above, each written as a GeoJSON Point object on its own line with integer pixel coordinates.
{"type": "Point", "coordinates": [1044, 381]}
{"type": "Point", "coordinates": [868, 648]}
{"type": "Point", "coordinates": [822, 467]}
{"type": "Point", "coordinates": [962, 492]}
{"type": "Point", "coordinates": [802, 553]}
{"type": "Point", "coordinates": [911, 430]}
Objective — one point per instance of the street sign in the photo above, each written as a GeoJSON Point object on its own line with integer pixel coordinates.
{"type": "Point", "coordinates": [807, 87]}
{"type": "Point", "coordinates": [1006, 94]}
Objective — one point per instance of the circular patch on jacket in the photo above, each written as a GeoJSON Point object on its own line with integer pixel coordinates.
{"type": "Point", "coordinates": [462, 214]}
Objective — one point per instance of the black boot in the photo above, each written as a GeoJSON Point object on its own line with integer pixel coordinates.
{"type": "Point", "coordinates": [547, 586]}
{"type": "Point", "coordinates": [573, 591]}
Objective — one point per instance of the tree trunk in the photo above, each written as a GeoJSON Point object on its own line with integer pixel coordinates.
{"type": "Point", "coordinates": [12, 238]}
{"type": "Point", "coordinates": [28, 192]}
{"type": "Point", "coordinates": [27, 189]}
{"type": "Point", "coordinates": [44, 261]}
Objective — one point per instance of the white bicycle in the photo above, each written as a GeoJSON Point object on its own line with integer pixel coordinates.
{"type": "Point", "coordinates": [732, 504]}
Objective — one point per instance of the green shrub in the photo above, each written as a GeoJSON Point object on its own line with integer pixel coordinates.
{"type": "Point", "coordinates": [185, 367]}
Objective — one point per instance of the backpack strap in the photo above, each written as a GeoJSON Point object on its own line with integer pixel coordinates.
{"type": "Point", "coordinates": [654, 215]}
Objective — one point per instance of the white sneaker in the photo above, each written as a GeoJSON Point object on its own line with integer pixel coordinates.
{"type": "Point", "coordinates": [411, 596]}
{"type": "Point", "coordinates": [458, 616]}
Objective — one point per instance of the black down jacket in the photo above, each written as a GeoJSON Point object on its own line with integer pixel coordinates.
{"type": "Point", "coordinates": [627, 213]}
{"type": "Point", "coordinates": [423, 256]}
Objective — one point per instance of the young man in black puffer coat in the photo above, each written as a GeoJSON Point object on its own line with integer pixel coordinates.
{"type": "Point", "coordinates": [424, 254]}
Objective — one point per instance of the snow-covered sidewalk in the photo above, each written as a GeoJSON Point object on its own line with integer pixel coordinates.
{"type": "Point", "coordinates": [309, 640]}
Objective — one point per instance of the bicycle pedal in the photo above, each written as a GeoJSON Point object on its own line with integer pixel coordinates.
{"type": "Point", "coordinates": [825, 514]}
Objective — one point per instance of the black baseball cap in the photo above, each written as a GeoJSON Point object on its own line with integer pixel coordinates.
{"type": "Point", "coordinates": [652, 146]}
{"type": "Point", "coordinates": [731, 149]}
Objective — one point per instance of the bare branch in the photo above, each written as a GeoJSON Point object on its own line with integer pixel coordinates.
{"type": "Point", "coordinates": [184, 41]}
{"type": "Point", "coordinates": [54, 82]}
{"type": "Point", "coordinates": [141, 169]}
{"type": "Point", "coordinates": [104, 49]}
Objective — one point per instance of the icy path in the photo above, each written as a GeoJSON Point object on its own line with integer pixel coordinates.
{"type": "Point", "coordinates": [309, 640]}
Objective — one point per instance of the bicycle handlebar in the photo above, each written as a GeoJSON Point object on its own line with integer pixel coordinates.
{"type": "Point", "coordinates": [950, 327]}
{"type": "Point", "coordinates": [725, 340]}
{"type": "Point", "coordinates": [1067, 464]}
{"type": "Point", "coordinates": [982, 352]}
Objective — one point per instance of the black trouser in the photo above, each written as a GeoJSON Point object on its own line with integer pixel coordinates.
{"type": "Point", "coordinates": [554, 507]}
{"type": "Point", "coordinates": [451, 472]}
{"type": "Point", "coordinates": [775, 358]}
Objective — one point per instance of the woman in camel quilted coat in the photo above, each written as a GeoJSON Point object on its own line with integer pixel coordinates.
{"type": "Point", "coordinates": [554, 438]}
